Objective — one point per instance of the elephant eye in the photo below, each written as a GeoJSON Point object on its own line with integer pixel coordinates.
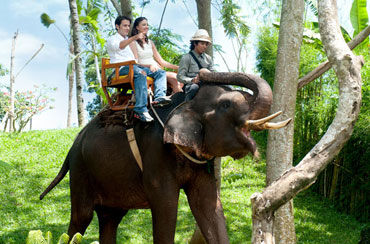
{"type": "Point", "coordinates": [225, 105]}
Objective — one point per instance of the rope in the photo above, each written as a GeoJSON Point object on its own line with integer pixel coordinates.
{"type": "Point", "coordinates": [177, 146]}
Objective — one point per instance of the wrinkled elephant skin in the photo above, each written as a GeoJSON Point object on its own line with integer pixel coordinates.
{"type": "Point", "coordinates": [104, 176]}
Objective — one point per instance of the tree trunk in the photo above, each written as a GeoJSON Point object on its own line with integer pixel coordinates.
{"type": "Point", "coordinates": [4, 122]}
{"type": "Point", "coordinates": [96, 61]}
{"type": "Point", "coordinates": [78, 62]}
{"type": "Point", "coordinates": [348, 70]}
{"type": "Point", "coordinates": [334, 181]}
{"type": "Point", "coordinates": [280, 142]}
{"type": "Point", "coordinates": [116, 6]}
{"type": "Point", "coordinates": [126, 8]}
{"type": "Point", "coordinates": [70, 88]}
{"type": "Point", "coordinates": [204, 19]}
{"type": "Point", "coordinates": [205, 22]}
{"type": "Point", "coordinates": [163, 12]}
{"type": "Point", "coordinates": [11, 86]}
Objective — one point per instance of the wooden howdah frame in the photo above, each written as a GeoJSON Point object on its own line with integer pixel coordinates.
{"type": "Point", "coordinates": [122, 84]}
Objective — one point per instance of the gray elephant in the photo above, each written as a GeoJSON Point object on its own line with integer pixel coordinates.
{"type": "Point", "coordinates": [104, 176]}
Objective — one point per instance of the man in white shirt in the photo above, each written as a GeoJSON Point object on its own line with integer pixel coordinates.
{"type": "Point", "coordinates": [119, 51]}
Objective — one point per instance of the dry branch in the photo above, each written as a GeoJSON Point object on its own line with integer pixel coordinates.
{"type": "Point", "coordinates": [322, 68]}
{"type": "Point", "coordinates": [347, 67]}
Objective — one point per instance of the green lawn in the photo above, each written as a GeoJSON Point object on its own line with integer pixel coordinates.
{"type": "Point", "coordinates": [29, 161]}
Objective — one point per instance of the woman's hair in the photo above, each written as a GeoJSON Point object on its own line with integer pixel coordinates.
{"type": "Point", "coordinates": [134, 31]}
{"type": "Point", "coordinates": [192, 44]}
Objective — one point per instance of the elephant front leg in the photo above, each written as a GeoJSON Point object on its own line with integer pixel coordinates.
{"type": "Point", "coordinates": [206, 207]}
{"type": "Point", "coordinates": [163, 203]}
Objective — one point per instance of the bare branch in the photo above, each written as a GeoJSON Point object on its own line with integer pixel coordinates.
{"type": "Point", "coordinates": [33, 56]}
{"type": "Point", "coordinates": [322, 68]}
{"type": "Point", "coordinates": [187, 9]}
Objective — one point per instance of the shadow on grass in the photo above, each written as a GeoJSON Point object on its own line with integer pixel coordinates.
{"type": "Point", "coordinates": [4, 166]}
{"type": "Point", "coordinates": [19, 235]}
{"type": "Point", "coordinates": [317, 221]}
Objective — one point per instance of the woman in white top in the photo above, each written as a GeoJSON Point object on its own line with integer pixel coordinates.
{"type": "Point", "coordinates": [147, 54]}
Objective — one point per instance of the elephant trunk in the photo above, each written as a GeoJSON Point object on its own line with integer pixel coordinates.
{"type": "Point", "coordinates": [262, 94]}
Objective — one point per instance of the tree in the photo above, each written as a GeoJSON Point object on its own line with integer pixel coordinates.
{"type": "Point", "coordinates": [12, 80]}
{"type": "Point", "coordinates": [205, 22]}
{"type": "Point", "coordinates": [11, 111]}
{"type": "Point", "coordinates": [347, 67]}
{"type": "Point", "coordinates": [117, 6]}
{"type": "Point", "coordinates": [78, 61]}
{"type": "Point", "coordinates": [3, 71]}
{"type": "Point", "coordinates": [279, 154]}
{"type": "Point", "coordinates": [28, 104]}
{"type": "Point", "coordinates": [126, 8]}
{"type": "Point", "coordinates": [47, 21]}
{"type": "Point", "coordinates": [204, 18]}
{"type": "Point", "coordinates": [90, 27]}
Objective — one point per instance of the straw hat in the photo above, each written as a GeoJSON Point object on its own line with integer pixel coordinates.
{"type": "Point", "coordinates": [201, 35]}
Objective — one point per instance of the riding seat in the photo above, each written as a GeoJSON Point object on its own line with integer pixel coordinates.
{"type": "Point", "coordinates": [123, 85]}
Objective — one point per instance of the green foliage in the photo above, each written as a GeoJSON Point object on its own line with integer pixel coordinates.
{"type": "Point", "coordinates": [3, 71]}
{"type": "Point", "coordinates": [266, 53]}
{"type": "Point", "coordinates": [35, 157]}
{"type": "Point", "coordinates": [316, 102]}
{"type": "Point", "coordinates": [237, 30]}
{"type": "Point", "coordinates": [63, 239]}
{"type": "Point", "coordinates": [46, 20]}
{"type": "Point", "coordinates": [76, 239]}
{"type": "Point", "coordinates": [89, 21]}
{"type": "Point", "coordinates": [95, 106]}
{"type": "Point", "coordinates": [3, 104]}
{"type": "Point", "coordinates": [93, 86]}
{"type": "Point", "coordinates": [359, 17]}
{"type": "Point", "coordinates": [232, 22]}
{"type": "Point", "coordinates": [36, 237]}
{"type": "Point", "coordinates": [165, 42]}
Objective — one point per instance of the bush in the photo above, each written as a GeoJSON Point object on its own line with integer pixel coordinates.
{"type": "Point", "coordinates": [36, 237]}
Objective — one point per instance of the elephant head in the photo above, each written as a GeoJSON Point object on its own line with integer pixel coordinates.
{"type": "Point", "coordinates": [218, 121]}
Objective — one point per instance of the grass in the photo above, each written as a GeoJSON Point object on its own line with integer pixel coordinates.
{"type": "Point", "coordinates": [29, 161]}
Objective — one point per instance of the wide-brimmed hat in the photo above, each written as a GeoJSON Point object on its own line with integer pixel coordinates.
{"type": "Point", "coordinates": [201, 35]}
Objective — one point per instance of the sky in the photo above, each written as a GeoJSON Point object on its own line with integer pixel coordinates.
{"type": "Point", "coordinates": [49, 66]}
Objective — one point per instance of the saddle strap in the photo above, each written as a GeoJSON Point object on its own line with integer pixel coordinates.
{"type": "Point", "coordinates": [134, 148]}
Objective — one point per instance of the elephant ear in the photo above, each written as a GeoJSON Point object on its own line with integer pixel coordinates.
{"type": "Point", "coordinates": [183, 127]}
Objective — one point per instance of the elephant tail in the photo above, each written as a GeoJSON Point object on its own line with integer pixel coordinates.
{"type": "Point", "coordinates": [63, 171]}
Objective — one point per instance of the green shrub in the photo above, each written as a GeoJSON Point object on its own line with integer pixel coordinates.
{"type": "Point", "coordinates": [36, 237]}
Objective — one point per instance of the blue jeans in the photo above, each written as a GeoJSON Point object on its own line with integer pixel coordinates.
{"type": "Point", "coordinates": [191, 90]}
{"type": "Point", "coordinates": [141, 91]}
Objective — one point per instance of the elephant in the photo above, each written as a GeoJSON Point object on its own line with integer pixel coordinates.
{"type": "Point", "coordinates": [105, 178]}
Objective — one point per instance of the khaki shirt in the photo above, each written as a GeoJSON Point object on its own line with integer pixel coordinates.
{"type": "Point", "coordinates": [188, 68]}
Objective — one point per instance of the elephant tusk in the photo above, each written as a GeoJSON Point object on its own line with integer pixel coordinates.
{"type": "Point", "coordinates": [263, 120]}
{"type": "Point", "coordinates": [263, 124]}
{"type": "Point", "coordinates": [278, 125]}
